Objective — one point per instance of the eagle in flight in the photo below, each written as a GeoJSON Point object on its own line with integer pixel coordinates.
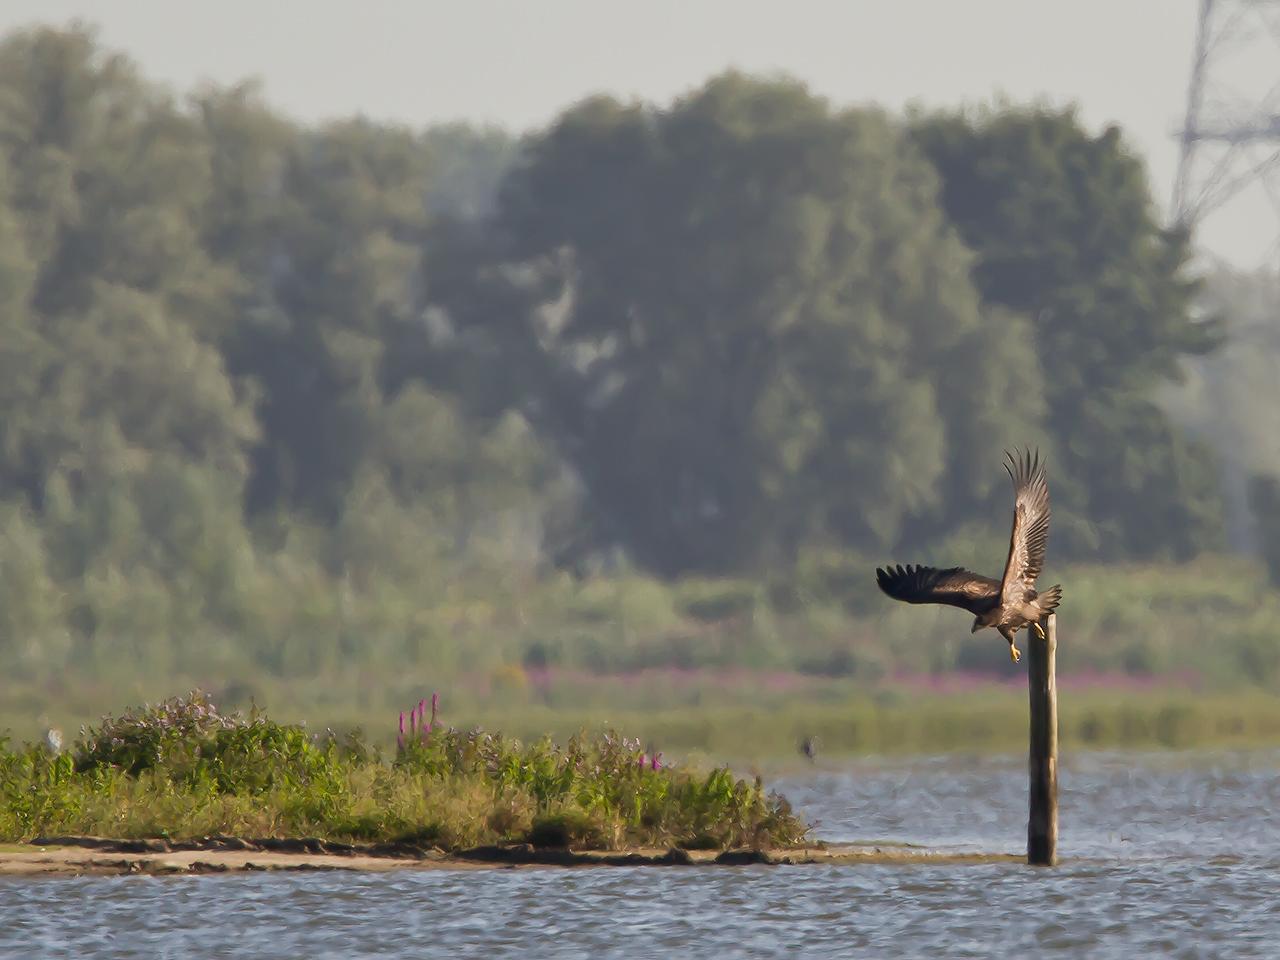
{"type": "Point", "coordinates": [1012, 602]}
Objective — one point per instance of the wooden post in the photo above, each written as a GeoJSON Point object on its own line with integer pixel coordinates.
{"type": "Point", "coordinates": [1042, 827]}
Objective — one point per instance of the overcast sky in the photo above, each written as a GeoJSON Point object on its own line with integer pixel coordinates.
{"type": "Point", "coordinates": [518, 63]}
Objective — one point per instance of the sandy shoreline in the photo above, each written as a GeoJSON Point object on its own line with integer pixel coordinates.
{"type": "Point", "coordinates": [81, 856]}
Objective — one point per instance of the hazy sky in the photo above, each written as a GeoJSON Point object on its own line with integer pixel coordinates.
{"type": "Point", "coordinates": [518, 63]}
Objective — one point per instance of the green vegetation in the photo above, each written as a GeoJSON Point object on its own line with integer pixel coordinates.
{"type": "Point", "coordinates": [1066, 236]}
{"type": "Point", "coordinates": [1264, 498]}
{"type": "Point", "coordinates": [183, 770]}
{"type": "Point", "coordinates": [1228, 400]}
{"type": "Point", "coordinates": [912, 718]}
{"type": "Point", "coordinates": [315, 415]}
{"type": "Point", "coordinates": [745, 670]}
{"type": "Point", "coordinates": [634, 648]}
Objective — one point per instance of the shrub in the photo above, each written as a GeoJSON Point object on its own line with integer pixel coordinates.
{"type": "Point", "coordinates": [187, 740]}
{"type": "Point", "coordinates": [182, 768]}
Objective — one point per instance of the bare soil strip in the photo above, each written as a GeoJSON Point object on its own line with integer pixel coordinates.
{"type": "Point", "coordinates": [79, 856]}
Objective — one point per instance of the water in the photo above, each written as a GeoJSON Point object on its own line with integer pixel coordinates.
{"type": "Point", "coordinates": [1171, 856]}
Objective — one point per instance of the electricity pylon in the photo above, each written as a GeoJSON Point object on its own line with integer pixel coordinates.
{"type": "Point", "coordinates": [1230, 139]}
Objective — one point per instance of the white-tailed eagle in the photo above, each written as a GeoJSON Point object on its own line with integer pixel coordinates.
{"type": "Point", "coordinates": [1008, 604]}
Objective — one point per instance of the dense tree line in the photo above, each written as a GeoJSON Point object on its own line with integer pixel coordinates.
{"type": "Point", "coordinates": [1229, 399]}
{"type": "Point", "coordinates": [250, 369]}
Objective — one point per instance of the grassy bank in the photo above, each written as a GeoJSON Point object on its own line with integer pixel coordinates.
{"type": "Point", "coordinates": [183, 769]}
{"type": "Point", "coordinates": [748, 723]}
{"type": "Point", "coordinates": [990, 721]}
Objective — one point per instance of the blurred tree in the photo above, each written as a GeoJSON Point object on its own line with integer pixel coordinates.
{"type": "Point", "coordinates": [1066, 234]}
{"type": "Point", "coordinates": [113, 298]}
{"type": "Point", "coordinates": [108, 179]}
{"type": "Point", "coordinates": [327, 231]}
{"type": "Point", "coordinates": [736, 318]}
{"type": "Point", "coordinates": [112, 307]}
{"type": "Point", "coordinates": [743, 321]}
{"type": "Point", "coordinates": [334, 263]}
{"type": "Point", "coordinates": [467, 168]}
{"type": "Point", "coordinates": [1264, 499]}
{"type": "Point", "coordinates": [1228, 397]}
{"type": "Point", "coordinates": [24, 352]}
{"type": "Point", "coordinates": [32, 629]}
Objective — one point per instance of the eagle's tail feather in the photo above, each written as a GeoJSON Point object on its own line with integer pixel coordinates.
{"type": "Point", "coordinates": [1048, 600]}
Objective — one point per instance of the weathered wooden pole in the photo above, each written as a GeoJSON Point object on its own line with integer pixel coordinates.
{"type": "Point", "coordinates": [1042, 682]}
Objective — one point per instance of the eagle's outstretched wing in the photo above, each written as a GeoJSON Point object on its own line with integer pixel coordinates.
{"type": "Point", "coordinates": [955, 586]}
{"type": "Point", "coordinates": [1030, 527]}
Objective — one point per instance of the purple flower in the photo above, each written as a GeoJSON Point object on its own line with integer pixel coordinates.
{"type": "Point", "coordinates": [435, 704]}
{"type": "Point", "coordinates": [402, 723]}
{"type": "Point", "coordinates": [657, 761]}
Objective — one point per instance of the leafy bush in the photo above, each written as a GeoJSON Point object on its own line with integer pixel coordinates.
{"type": "Point", "coordinates": [137, 739]}
{"type": "Point", "coordinates": [187, 740]}
{"type": "Point", "coordinates": [181, 768]}
{"type": "Point", "coordinates": [606, 779]}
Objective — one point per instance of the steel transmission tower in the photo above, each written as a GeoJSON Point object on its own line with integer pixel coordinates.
{"type": "Point", "coordinates": [1230, 138]}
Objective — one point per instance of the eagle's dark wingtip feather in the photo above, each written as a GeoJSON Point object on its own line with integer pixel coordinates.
{"type": "Point", "coordinates": [954, 586]}
{"type": "Point", "coordinates": [888, 578]}
{"type": "Point", "coordinates": [1024, 465]}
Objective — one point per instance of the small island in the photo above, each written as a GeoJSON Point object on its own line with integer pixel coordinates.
{"type": "Point", "coordinates": [183, 777]}
{"type": "Point", "coordinates": [182, 788]}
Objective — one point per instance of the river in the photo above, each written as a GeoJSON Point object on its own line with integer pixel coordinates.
{"type": "Point", "coordinates": [1163, 855]}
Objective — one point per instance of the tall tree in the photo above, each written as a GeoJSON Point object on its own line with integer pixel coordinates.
{"type": "Point", "coordinates": [119, 416]}
{"type": "Point", "coordinates": [367, 421]}
{"type": "Point", "coordinates": [735, 317]}
{"type": "Point", "coordinates": [328, 247]}
{"type": "Point", "coordinates": [113, 299]}
{"type": "Point", "coordinates": [1066, 233]}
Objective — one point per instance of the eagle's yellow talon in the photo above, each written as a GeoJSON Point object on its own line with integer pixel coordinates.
{"type": "Point", "coordinates": [1039, 631]}
{"type": "Point", "coordinates": [1014, 653]}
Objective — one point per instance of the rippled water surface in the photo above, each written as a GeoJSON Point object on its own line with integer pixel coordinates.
{"type": "Point", "coordinates": [1163, 856]}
